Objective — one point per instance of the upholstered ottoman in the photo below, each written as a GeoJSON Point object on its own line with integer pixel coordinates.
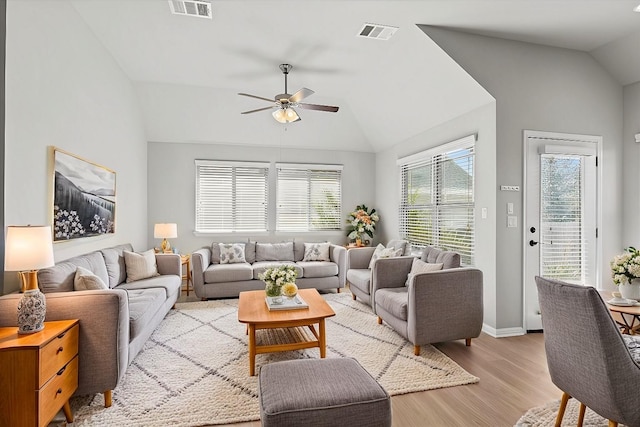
{"type": "Point", "coordinates": [321, 393]}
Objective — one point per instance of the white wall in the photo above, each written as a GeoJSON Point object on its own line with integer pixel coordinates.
{"type": "Point", "coordinates": [482, 122]}
{"type": "Point", "coordinates": [630, 169]}
{"type": "Point", "coordinates": [171, 189]}
{"type": "Point", "coordinates": [546, 89]}
{"type": "Point", "coordinates": [63, 89]}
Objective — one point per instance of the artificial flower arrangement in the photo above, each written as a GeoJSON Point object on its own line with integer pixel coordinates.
{"type": "Point", "coordinates": [276, 277]}
{"type": "Point", "coordinates": [362, 221]}
{"type": "Point", "coordinates": [626, 267]}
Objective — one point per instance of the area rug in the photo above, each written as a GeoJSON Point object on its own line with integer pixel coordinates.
{"type": "Point", "coordinates": [545, 416]}
{"type": "Point", "coordinates": [194, 369]}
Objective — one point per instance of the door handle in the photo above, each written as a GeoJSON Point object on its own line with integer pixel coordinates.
{"type": "Point", "coordinates": [532, 243]}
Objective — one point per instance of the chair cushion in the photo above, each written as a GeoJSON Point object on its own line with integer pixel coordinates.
{"type": "Point", "coordinates": [360, 278]}
{"type": "Point", "coordinates": [217, 273]}
{"type": "Point", "coordinates": [419, 266]}
{"type": "Point", "coordinates": [260, 266]}
{"type": "Point", "coordinates": [318, 268]}
{"type": "Point", "coordinates": [382, 252]}
{"type": "Point", "coordinates": [449, 259]}
{"type": "Point", "coordinates": [393, 300]}
{"type": "Point", "coordinates": [400, 244]}
{"type": "Point", "coordinates": [321, 392]}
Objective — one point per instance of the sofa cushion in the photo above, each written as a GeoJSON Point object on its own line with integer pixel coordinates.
{"type": "Point", "coordinates": [360, 278]}
{"type": "Point", "coordinates": [420, 266]}
{"type": "Point", "coordinates": [140, 265]}
{"type": "Point", "coordinates": [215, 253]}
{"type": "Point", "coordinates": [260, 266]}
{"type": "Point", "coordinates": [394, 300]}
{"type": "Point", "coordinates": [250, 252]}
{"type": "Point", "coordinates": [217, 273]}
{"type": "Point", "coordinates": [274, 251]}
{"type": "Point", "coordinates": [85, 280]}
{"type": "Point", "coordinates": [143, 305]}
{"type": "Point", "coordinates": [114, 260]}
{"type": "Point", "coordinates": [382, 252]}
{"type": "Point", "coordinates": [169, 283]}
{"type": "Point", "coordinates": [298, 250]}
{"type": "Point", "coordinates": [449, 259]}
{"type": "Point", "coordinates": [316, 251]}
{"type": "Point", "coordinates": [59, 278]}
{"type": "Point", "coordinates": [318, 268]}
{"type": "Point", "coordinates": [231, 253]}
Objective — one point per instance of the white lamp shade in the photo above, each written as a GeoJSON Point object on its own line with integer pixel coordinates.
{"type": "Point", "coordinates": [165, 231]}
{"type": "Point", "coordinates": [286, 115]}
{"type": "Point", "coordinates": [28, 248]}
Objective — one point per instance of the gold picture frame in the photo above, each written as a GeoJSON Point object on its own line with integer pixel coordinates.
{"type": "Point", "coordinates": [83, 197]}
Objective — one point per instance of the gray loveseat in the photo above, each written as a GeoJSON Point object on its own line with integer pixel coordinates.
{"type": "Point", "coordinates": [212, 279]}
{"type": "Point", "coordinates": [114, 323]}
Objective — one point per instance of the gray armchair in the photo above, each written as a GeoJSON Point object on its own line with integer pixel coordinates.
{"type": "Point", "coordinates": [437, 306]}
{"type": "Point", "coordinates": [587, 356]}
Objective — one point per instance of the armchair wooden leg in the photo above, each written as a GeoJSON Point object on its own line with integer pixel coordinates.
{"type": "Point", "coordinates": [467, 341]}
{"type": "Point", "coordinates": [338, 290]}
{"type": "Point", "coordinates": [562, 408]}
{"type": "Point", "coordinates": [416, 350]}
{"type": "Point", "coordinates": [353, 297]}
{"type": "Point", "coordinates": [583, 408]}
{"type": "Point", "coordinates": [108, 399]}
{"type": "Point", "coordinates": [203, 299]}
{"type": "Point", "coordinates": [613, 423]}
{"type": "Point", "coordinates": [379, 320]}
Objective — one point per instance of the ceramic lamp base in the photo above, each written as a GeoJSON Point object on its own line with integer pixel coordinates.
{"type": "Point", "coordinates": [32, 309]}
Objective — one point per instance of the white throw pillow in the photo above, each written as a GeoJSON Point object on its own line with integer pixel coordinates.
{"type": "Point", "coordinates": [382, 252]}
{"type": "Point", "coordinates": [420, 266]}
{"type": "Point", "coordinates": [316, 251]}
{"type": "Point", "coordinates": [140, 265]}
{"type": "Point", "coordinates": [231, 253]}
{"type": "Point", "coordinates": [85, 280]}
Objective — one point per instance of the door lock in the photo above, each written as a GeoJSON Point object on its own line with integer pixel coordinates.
{"type": "Point", "coordinates": [532, 229]}
{"type": "Point", "coordinates": [532, 243]}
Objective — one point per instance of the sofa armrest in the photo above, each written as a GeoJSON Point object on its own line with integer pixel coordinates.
{"type": "Point", "coordinates": [360, 257]}
{"type": "Point", "coordinates": [338, 254]}
{"type": "Point", "coordinates": [169, 264]}
{"type": "Point", "coordinates": [451, 300]}
{"type": "Point", "coordinates": [200, 261]}
{"type": "Point", "coordinates": [104, 332]}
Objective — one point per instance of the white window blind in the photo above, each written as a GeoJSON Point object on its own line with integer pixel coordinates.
{"type": "Point", "coordinates": [437, 198]}
{"type": "Point", "coordinates": [231, 196]}
{"type": "Point", "coordinates": [309, 197]}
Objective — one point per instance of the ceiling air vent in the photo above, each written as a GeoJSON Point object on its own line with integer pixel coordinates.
{"type": "Point", "coordinates": [375, 31]}
{"type": "Point", "coordinates": [200, 9]}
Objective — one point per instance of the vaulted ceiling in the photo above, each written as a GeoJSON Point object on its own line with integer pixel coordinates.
{"type": "Point", "coordinates": [187, 71]}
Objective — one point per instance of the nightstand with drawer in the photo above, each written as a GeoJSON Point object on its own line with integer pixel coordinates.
{"type": "Point", "coordinates": [38, 373]}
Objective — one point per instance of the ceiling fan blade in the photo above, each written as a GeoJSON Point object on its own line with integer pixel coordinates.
{"type": "Point", "coordinates": [257, 97]}
{"type": "Point", "coordinates": [318, 107]}
{"type": "Point", "coordinates": [301, 94]}
{"type": "Point", "coordinates": [259, 109]}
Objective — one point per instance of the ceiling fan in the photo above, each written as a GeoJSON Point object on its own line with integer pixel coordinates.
{"type": "Point", "coordinates": [285, 102]}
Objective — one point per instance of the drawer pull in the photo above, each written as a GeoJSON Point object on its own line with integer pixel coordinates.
{"type": "Point", "coordinates": [59, 391]}
{"type": "Point", "coordinates": [62, 335]}
{"type": "Point", "coordinates": [61, 370]}
{"type": "Point", "coordinates": [60, 349]}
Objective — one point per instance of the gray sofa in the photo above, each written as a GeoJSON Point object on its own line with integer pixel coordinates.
{"type": "Point", "coordinates": [114, 323]}
{"type": "Point", "coordinates": [211, 279]}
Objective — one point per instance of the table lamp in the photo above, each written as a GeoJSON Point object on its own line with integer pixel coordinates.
{"type": "Point", "coordinates": [165, 231]}
{"type": "Point", "coordinates": [27, 249]}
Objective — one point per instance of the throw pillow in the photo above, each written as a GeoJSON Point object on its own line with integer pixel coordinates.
{"type": "Point", "coordinates": [316, 251]}
{"type": "Point", "coordinates": [231, 253]}
{"type": "Point", "coordinates": [85, 280]}
{"type": "Point", "coordinates": [140, 265]}
{"type": "Point", "coordinates": [419, 266]}
{"type": "Point", "coordinates": [382, 252]}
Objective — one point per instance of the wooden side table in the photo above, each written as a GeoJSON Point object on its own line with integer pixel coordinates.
{"type": "Point", "coordinates": [186, 262]}
{"type": "Point", "coordinates": [38, 373]}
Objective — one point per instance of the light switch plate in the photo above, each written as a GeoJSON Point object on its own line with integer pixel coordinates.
{"type": "Point", "coordinates": [512, 221]}
{"type": "Point", "coordinates": [484, 213]}
{"type": "Point", "coordinates": [509, 208]}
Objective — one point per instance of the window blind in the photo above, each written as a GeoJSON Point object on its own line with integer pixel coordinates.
{"type": "Point", "coordinates": [437, 198]}
{"type": "Point", "coordinates": [231, 196]}
{"type": "Point", "coordinates": [309, 197]}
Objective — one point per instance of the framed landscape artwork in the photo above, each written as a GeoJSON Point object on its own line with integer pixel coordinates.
{"type": "Point", "coordinates": [84, 197]}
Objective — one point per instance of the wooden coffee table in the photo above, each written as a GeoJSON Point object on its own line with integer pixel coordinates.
{"type": "Point", "coordinates": [252, 310]}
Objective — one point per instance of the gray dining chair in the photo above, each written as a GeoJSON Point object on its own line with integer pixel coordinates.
{"type": "Point", "coordinates": [587, 356]}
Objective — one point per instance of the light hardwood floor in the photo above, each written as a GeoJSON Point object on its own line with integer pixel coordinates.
{"type": "Point", "coordinates": [513, 378]}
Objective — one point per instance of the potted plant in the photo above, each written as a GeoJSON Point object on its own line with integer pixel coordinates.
{"type": "Point", "coordinates": [361, 222]}
{"type": "Point", "coordinates": [625, 269]}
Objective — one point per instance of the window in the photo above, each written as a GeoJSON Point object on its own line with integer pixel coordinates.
{"type": "Point", "coordinates": [309, 197]}
{"type": "Point", "coordinates": [231, 196]}
{"type": "Point", "coordinates": [437, 200]}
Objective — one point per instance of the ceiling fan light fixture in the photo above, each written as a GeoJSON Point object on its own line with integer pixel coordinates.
{"type": "Point", "coordinates": [637, 8]}
{"type": "Point", "coordinates": [286, 115]}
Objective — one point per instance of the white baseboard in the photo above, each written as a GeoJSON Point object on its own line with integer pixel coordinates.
{"type": "Point", "coordinates": [503, 332]}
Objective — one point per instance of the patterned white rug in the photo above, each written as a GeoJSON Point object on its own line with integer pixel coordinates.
{"type": "Point", "coordinates": [545, 416]}
{"type": "Point", "coordinates": [194, 369]}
